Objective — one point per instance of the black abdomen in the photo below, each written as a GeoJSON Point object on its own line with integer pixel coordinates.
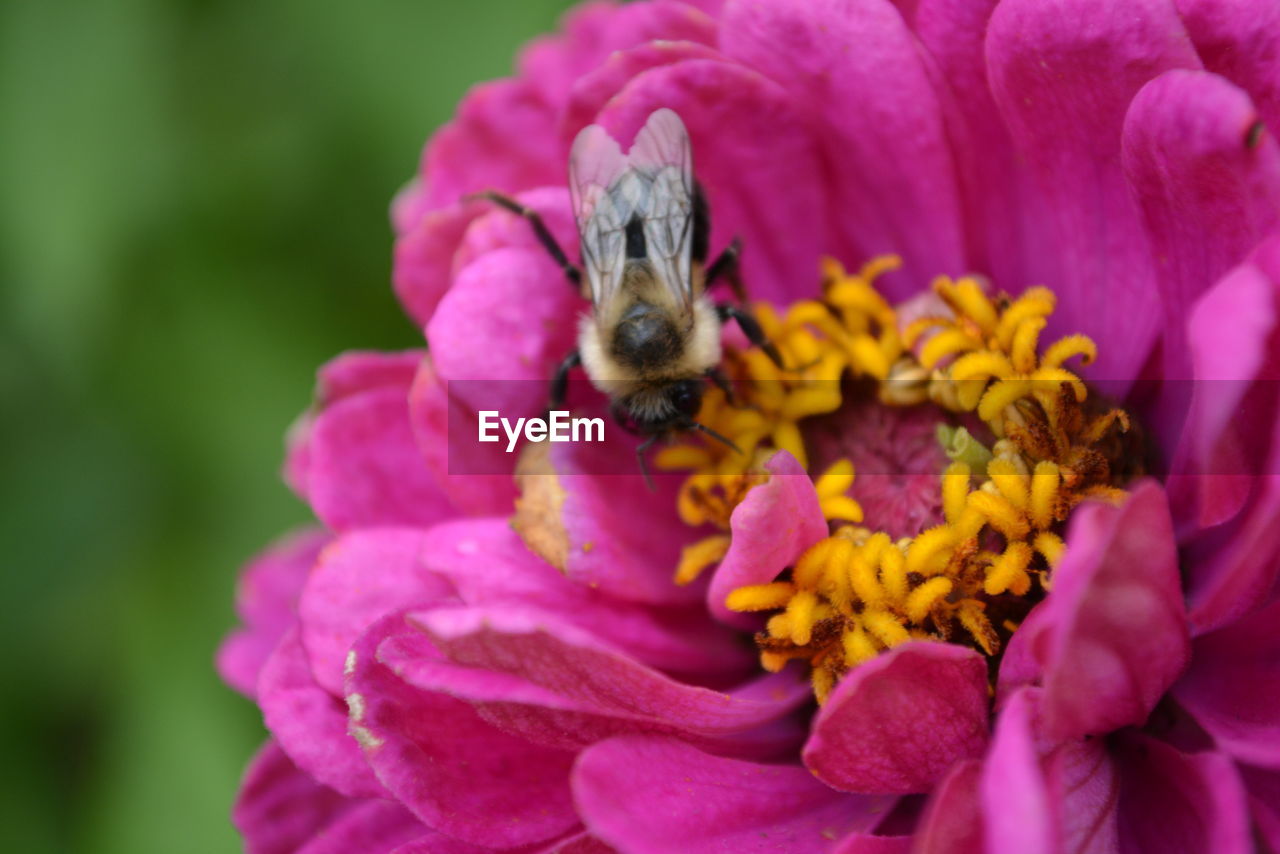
{"type": "Point", "coordinates": [646, 338]}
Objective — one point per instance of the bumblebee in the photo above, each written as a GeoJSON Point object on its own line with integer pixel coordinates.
{"type": "Point", "coordinates": [652, 339]}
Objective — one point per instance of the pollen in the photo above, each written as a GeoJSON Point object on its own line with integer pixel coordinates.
{"type": "Point", "coordinates": [1026, 440]}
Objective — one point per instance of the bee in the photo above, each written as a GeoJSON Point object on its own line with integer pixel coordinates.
{"type": "Point", "coordinates": [652, 339]}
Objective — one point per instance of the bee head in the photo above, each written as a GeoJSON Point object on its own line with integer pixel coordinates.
{"type": "Point", "coordinates": [659, 410]}
{"type": "Point", "coordinates": [685, 397]}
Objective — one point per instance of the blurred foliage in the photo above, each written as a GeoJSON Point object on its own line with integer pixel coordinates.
{"type": "Point", "coordinates": [193, 218]}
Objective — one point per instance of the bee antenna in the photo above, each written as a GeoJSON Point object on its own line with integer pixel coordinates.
{"type": "Point", "coordinates": [702, 428]}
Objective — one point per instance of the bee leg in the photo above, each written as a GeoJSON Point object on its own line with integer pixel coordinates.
{"type": "Point", "coordinates": [644, 469]}
{"type": "Point", "coordinates": [560, 382]}
{"type": "Point", "coordinates": [539, 229]}
{"type": "Point", "coordinates": [751, 328]}
{"type": "Point", "coordinates": [718, 378]}
{"type": "Point", "coordinates": [726, 264]}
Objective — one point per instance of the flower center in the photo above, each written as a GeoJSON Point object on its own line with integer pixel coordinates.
{"type": "Point", "coordinates": [959, 558]}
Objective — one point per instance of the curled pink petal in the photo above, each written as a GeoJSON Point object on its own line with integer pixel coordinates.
{"type": "Point", "coordinates": [359, 578]}
{"type": "Point", "coordinates": [558, 685]}
{"type": "Point", "coordinates": [897, 723]}
{"type": "Point", "coordinates": [774, 524]}
{"type": "Point", "coordinates": [489, 565]}
{"type": "Point", "coordinates": [435, 755]}
{"type": "Point", "coordinates": [1206, 193]}
{"type": "Point", "coordinates": [708, 803]}
{"type": "Point", "coordinates": [1117, 634]}
{"type": "Point", "coordinates": [1015, 797]}
{"type": "Point", "coordinates": [310, 724]}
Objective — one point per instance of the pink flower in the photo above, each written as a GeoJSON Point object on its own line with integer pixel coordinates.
{"type": "Point", "coordinates": [435, 680]}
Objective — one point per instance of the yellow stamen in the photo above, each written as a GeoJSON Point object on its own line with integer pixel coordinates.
{"type": "Point", "coordinates": [1044, 447]}
{"type": "Point", "coordinates": [696, 557]}
{"type": "Point", "coordinates": [955, 489]}
{"type": "Point", "coordinates": [800, 611]}
{"type": "Point", "coordinates": [924, 597]}
{"type": "Point", "coordinates": [760, 597]}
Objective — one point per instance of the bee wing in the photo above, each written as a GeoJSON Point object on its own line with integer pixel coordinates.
{"type": "Point", "coordinates": [596, 164]}
{"type": "Point", "coordinates": [653, 181]}
{"type": "Point", "coordinates": [662, 152]}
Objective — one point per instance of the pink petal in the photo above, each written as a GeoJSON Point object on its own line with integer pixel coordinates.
{"type": "Point", "coordinates": [365, 467]}
{"type": "Point", "coordinates": [1175, 802]}
{"type": "Point", "coordinates": [854, 69]}
{"type": "Point", "coordinates": [772, 527]}
{"type": "Point", "coordinates": [372, 827]}
{"type": "Point", "coordinates": [558, 685]}
{"type": "Point", "coordinates": [345, 376]}
{"type": "Point", "coordinates": [424, 258]}
{"type": "Point", "coordinates": [408, 206]}
{"type": "Point", "coordinates": [626, 549]}
{"type": "Point", "coordinates": [999, 206]}
{"type": "Point", "coordinates": [1116, 628]}
{"type": "Point", "coordinates": [707, 803]}
{"type": "Point", "coordinates": [1083, 787]}
{"type": "Point", "coordinates": [503, 138]}
{"type": "Point", "coordinates": [1206, 195]}
{"type": "Point", "coordinates": [310, 724]}
{"type": "Point", "coordinates": [265, 598]}
{"type": "Point", "coordinates": [595, 32]}
{"type": "Point", "coordinates": [1240, 40]}
{"type": "Point", "coordinates": [590, 93]}
{"type": "Point", "coordinates": [897, 723]}
{"type": "Point", "coordinates": [358, 371]}
{"type": "Point", "coordinates": [1224, 442]}
{"type": "Point", "coordinates": [500, 229]}
{"type": "Point", "coordinates": [866, 843]}
{"type": "Point", "coordinates": [1063, 73]}
{"type": "Point", "coordinates": [1233, 684]}
{"type": "Point", "coordinates": [499, 332]}
{"type": "Point", "coordinates": [1014, 796]}
{"type": "Point", "coordinates": [279, 808]}
{"type": "Point", "coordinates": [436, 755]}
{"type": "Point", "coordinates": [779, 213]}
{"type": "Point", "coordinates": [952, 820]}
{"type": "Point", "coordinates": [1263, 787]}
{"type": "Point", "coordinates": [360, 577]}
{"type": "Point", "coordinates": [1021, 663]}
{"type": "Point", "coordinates": [1235, 571]}
{"type": "Point", "coordinates": [457, 465]}
{"type": "Point", "coordinates": [439, 843]}
{"type": "Point", "coordinates": [489, 565]}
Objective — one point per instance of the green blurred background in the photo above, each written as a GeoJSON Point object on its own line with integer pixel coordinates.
{"type": "Point", "coordinates": [193, 203]}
